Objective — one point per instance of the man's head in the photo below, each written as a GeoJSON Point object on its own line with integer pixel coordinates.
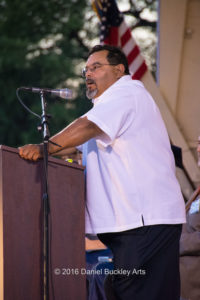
{"type": "Point", "coordinates": [105, 65]}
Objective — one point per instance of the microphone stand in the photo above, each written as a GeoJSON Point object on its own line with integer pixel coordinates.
{"type": "Point", "coordinates": [45, 198]}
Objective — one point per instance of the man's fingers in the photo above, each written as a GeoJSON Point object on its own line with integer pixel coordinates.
{"type": "Point", "coordinates": [24, 152]}
{"type": "Point", "coordinates": [30, 152]}
{"type": "Point", "coordinates": [35, 157]}
{"type": "Point", "coordinates": [20, 151]}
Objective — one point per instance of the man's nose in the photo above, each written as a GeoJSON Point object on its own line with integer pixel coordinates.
{"type": "Point", "coordinates": [88, 72]}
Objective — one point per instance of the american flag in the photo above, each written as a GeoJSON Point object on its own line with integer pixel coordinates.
{"type": "Point", "coordinates": [115, 32]}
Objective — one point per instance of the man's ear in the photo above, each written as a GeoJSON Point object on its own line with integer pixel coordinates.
{"type": "Point", "coordinates": [120, 69]}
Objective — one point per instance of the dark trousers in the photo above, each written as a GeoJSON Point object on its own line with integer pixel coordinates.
{"type": "Point", "coordinates": [146, 262]}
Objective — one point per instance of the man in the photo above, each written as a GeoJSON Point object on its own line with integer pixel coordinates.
{"type": "Point", "coordinates": [190, 251]}
{"type": "Point", "coordinates": [190, 247]}
{"type": "Point", "coordinates": [134, 202]}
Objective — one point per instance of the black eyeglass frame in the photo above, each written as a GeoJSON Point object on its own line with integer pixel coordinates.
{"type": "Point", "coordinates": [94, 68]}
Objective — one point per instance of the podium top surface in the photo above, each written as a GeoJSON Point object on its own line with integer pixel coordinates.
{"type": "Point", "coordinates": [50, 158]}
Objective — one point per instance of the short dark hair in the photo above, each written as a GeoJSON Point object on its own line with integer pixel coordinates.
{"type": "Point", "coordinates": [115, 55]}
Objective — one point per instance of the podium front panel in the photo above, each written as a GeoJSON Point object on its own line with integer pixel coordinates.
{"type": "Point", "coordinates": [21, 229]}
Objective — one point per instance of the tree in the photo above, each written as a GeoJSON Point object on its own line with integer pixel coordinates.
{"type": "Point", "coordinates": [39, 46]}
{"type": "Point", "coordinates": [44, 44]}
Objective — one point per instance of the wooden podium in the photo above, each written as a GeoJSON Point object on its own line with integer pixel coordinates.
{"type": "Point", "coordinates": [21, 230]}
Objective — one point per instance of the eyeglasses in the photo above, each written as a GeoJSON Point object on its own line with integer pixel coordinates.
{"type": "Point", "coordinates": [94, 68]}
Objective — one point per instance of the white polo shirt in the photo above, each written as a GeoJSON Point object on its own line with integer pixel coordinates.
{"type": "Point", "coordinates": [130, 170]}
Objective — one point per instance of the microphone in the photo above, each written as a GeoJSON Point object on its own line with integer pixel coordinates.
{"type": "Point", "coordinates": [62, 93]}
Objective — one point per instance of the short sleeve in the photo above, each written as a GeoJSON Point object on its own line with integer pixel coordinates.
{"type": "Point", "coordinates": [113, 115]}
{"type": "Point", "coordinates": [80, 148]}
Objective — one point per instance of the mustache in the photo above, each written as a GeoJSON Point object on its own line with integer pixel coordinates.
{"type": "Point", "coordinates": [89, 80]}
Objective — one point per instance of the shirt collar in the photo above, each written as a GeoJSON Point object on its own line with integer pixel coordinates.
{"type": "Point", "coordinates": [115, 84]}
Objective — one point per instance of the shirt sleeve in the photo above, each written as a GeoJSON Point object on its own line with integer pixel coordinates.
{"type": "Point", "coordinates": [80, 148]}
{"type": "Point", "coordinates": [113, 115]}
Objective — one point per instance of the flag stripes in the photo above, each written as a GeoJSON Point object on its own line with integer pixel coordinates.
{"type": "Point", "coordinates": [114, 31]}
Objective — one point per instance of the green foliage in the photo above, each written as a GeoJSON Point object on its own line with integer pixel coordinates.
{"type": "Point", "coordinates": [43, 44]}
{"type": "Point", "coordinates": [39, 46]}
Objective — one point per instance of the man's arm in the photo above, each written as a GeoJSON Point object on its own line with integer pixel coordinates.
{"type": "Point", "coordinates": [77, 133]}
{"type": "Point", "coordinates": [65, 152]}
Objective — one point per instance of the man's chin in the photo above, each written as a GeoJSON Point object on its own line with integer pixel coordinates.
{"type": "Point", "coordinates": [91, 93]}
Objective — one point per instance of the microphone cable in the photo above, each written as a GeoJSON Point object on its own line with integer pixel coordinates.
{"type": "Point", "coordinates": [24, 105]}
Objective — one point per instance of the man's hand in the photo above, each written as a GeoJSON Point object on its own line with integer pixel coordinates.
{"type": "Point", "coordinates": [31, 152]}
{"type": "Point", "coordinates": [75, 134]}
